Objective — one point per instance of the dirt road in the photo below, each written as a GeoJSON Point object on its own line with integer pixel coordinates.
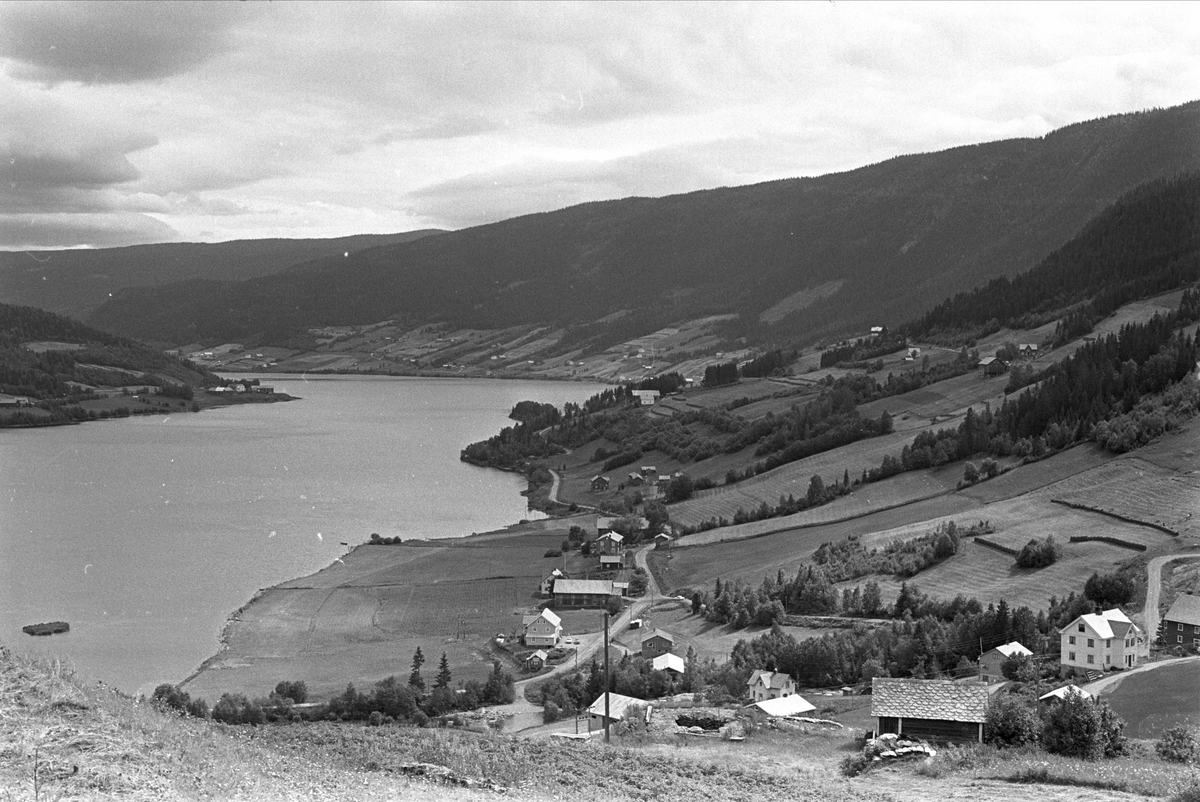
{"type": "Point", "coordinates": [1154, 589]}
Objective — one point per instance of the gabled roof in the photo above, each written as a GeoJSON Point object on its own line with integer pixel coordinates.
{"type": "Point", "coordinates": [1185, 610]}
{"type": "Point", "coordinates": [613, 536]}
{"type": "Point", "coordinates": [1108, 624]}
{"type": "Point", "coordinates": [793, 705]}
{"type": "Point", "coordinates": [658, 633]}
{"type": "Point", "coordinates": [547, 614]}
{"type": "Point", "coordinates": [1061, 693]}
{"type": "Point", "coordinates": [1010, 649]}
{"type": "Point", "coordinates": [617, 705]}
{"type": "Point", "coordinates": [770, 679]}
{"type": "Point", "coordinates": [668, 662]}
{"type": "Point", "coordinates": [539, 655]}
{"type": "Point", "coordinates": [584, 586]}
{"type": "Point", "coordinates": [929, 699]}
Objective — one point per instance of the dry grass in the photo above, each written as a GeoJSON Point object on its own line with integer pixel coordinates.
{"type": "Point", "coordinates": [1137, 490]}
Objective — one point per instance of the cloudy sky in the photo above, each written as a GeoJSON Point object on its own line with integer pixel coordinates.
{"type": "Point", "coordinates": [137, 122]}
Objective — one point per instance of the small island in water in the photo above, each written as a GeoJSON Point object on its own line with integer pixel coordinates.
{"type": "Point", "coordinates": [52, 628]}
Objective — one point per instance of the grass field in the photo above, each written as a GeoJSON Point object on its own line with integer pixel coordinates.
{"type": "Point", "coordinates": [944, 399]}
{"type": "Point", "coordinates": [792, 478]}
{"type": "Point", "coordinates": [1140, 491]}
{"type": "Point", "coordinates": [1154, 701]}
{"type": "Point", "coordinates": [361, 619]}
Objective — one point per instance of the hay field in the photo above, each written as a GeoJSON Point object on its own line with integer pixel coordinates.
{"type": "Point", "coordinates": [361, 619]}
{"type": "Point", "coordinates": [752, 559]}
{"type": "Point", "coordinates": [949, 398]}
{"type": "Point", "coordinates": [792, 478]}
{"type": "Point", "coordinates": [1137, 490]}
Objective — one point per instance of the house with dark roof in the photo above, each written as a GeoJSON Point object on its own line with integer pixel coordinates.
{"type": "Point", "coordinates": [992, 366]}
{"type": "Point", "coordinates": [770, 685]}
{"type": "Point", "coordinates": [656, 643]}
{"type": "Point", "coordinates": [1181, 624]}
{"type": "Point", "coordinates": [599, 484]}
{"type": "Point", "coordinates": [933, 709]}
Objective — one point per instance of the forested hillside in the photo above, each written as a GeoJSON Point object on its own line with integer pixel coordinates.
{"type": "Point", "coordinates": [74, 282]}
{"type": "Point", "coordinates": [893, 238]}
{"type": "Point", "coordinates": [47, 357]}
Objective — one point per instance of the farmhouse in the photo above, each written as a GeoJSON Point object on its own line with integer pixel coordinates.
{"type": "Point", "coordinates": [536, 661]}
{"type": "Point", "coordinates": [989, 662]}
{"type": "Point", "coordinates": [662, 540]}
{"type": "Point", "coordinates": [935, 709]}
{"type": "Point", "coordinates": [619, 708]}
{"type": "Point", "coordinates": [610, 543]}
{"type": "Point", "coordinates": [1181, 624]}
{"type": "Point", "coordinates": [599, 484]}
{"type": "Point", "coordinates": [645, 398]}
{"type": "Point", "coordinates": [635, 479]}
{"type": "Point", "coordinates": [770, 685]}
{"type": "Point", "coordinates": [668, 662]}
{"type": "Point", "coordinates": [542, 629]}
{"type": "Point", "coordinates": [1100, 641]}
{"type": "Point", "coordinates": [547, 586]}
{"type": "Point", "coordinates": [582, 592]}
{"type": "Point", "coordinates": [649, 473]}
{"type": "Point", "coordinates": [657, 643]}
{"type": "Point", "coordinates": [1028, 350]}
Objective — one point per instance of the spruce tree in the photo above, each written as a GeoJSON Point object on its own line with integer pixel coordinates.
{"type": "Point", "coordinates": [443, 675]}
{"type": "Point", "coordinates": [414, 679]}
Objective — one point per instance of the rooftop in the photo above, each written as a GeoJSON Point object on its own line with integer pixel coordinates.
{"type": "Point", "coordinates": [928, 698]}
{"type": "Point", "coordinates": [1185, 610]}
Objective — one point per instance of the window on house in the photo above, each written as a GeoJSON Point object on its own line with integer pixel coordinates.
{"type": "Point", "coordinates": [1108, 658]}
{"type": "Point", "coordinates": [1091, 642]}
{"type": "Point", "coordinates": [1081, 627]}
{"type": "Point", "coordinates": [1195, 641]}
{"type": "Point", "coordinates": [1091, 658]}
{"type": "Point", "coordinates": [1071, 657]}
{"type": "Point", "coordinates": [1179, 639]}
{"type": "Point", "coordinates": [1108, 643]}
{"type": "Point", "coordinates": [1196, 630]}
{"type": "Point", "coordinates": [1071, 639]}
{"type": "Point", "coordinates": [1179, 627]}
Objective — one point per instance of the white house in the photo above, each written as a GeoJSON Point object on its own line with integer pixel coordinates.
{"type": "Point", "coordinates": [990, 661]}
{"type": "Point", "coordinates": [645, 398]}
{"type": "Point", "coordinates": [1101, 641]}
{"type": "Point", "coordinates": [547, 586]}
{"type": "Point", "coordinates": [542, 629]}
{"type": "Point", "coordinates": [770, 685]}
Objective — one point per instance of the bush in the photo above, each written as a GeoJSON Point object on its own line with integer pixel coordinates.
{"type": "Point", "coordinates": [296, 691]}
{"type": "Point", "coordinates": [1081, 727]}
{"type": "Point", "coordinates": [1011, 721]}
{"type": "Point", "coordinates": [1178, 745]}
{"type": "Point", "coordinates": [1039, 553]}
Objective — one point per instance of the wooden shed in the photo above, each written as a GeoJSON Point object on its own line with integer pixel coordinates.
{"type": "Point", "coordinates": [933, 709]}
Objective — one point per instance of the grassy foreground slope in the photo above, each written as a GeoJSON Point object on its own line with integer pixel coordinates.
{"type": "Point", "coordinates": [60, 739]}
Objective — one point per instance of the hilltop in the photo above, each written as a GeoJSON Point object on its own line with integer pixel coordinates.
{"type": "Point", "coordinates": [75, 282]}
{"type": "Point", "coordinates": [876, 245]}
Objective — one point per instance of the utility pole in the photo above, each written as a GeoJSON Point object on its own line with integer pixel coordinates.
{"type": "Point", "coordinates": [606, 678]}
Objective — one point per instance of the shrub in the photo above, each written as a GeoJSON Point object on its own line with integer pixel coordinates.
{"type": "Point", "coordinates": [296, 691]}
{"type": "Point", "coordinates": [1081, 727]}
{"type": "Point", "coordinates": [1011, 721]}
{"type": "Point", "coordinates": [1039, 553]}
{"type": "Point", "coordinates": [1178, 745]}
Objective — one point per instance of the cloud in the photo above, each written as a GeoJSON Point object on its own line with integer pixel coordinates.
{"type": "Point", "coordinates": [113, 42]}
{"type": "Point", "coordinates": [106, 230]}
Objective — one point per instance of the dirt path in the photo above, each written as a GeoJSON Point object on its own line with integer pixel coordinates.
{"type": "Point", "coordinates": [1154, 589]}
{"type": "Point", "coordinates": [554, 493]}
{"type": "Point", "coordinates": [1109, 684]}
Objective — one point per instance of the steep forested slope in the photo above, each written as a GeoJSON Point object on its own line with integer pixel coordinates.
{"type": "Point", "coordinates": [899, 236]}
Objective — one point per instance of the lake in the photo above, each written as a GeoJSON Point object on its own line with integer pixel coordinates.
{"type": "Point", "coordinates": [146, 533]}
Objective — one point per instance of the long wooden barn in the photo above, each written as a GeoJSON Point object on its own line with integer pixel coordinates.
{"type": "Point", "coordinates": [933, 709]}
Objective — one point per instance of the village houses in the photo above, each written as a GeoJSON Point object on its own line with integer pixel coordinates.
{"type": "Point", "coordinates": [1101, 641]}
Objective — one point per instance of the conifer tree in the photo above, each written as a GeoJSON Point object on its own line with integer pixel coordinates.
{"type": "Point", "coordinates": [414, 679]}
{"type": "Point", "coordinates": [443, 675]}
